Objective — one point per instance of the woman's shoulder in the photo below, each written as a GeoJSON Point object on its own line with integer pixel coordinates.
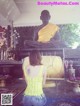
{"type": "Point", "coordinates": [36, 67]}
{"type": "Point", "coordinates": [42, 67]}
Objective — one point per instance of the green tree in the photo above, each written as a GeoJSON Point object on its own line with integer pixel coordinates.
{"type": "Point", "coordinates": [70, 33]}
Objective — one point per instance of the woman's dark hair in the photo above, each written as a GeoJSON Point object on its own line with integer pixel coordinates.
{"type": "Point", "coordinates": [35, 58]}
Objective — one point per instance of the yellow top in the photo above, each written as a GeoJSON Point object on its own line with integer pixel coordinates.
{"type": "Point", "coordinates": [47, 32]}
{"type": "Point", "coordinates": [34, 84]}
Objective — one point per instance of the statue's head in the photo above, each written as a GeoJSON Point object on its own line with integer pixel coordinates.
{"type": "Point", "coordinates": [45, 16]}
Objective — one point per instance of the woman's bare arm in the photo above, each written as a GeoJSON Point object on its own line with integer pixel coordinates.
{"type": "Point", "coordinates": [24, 68]}
{"type": "Point", "coordinates": [44, 78]}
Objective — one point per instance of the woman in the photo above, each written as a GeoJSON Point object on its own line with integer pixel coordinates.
{"type": "Point", "coordinates": [35, 77]}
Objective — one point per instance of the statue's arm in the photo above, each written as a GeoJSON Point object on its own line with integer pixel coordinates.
{"type": "Point", "coordinates": [57, 36]}
{"type": "Point", "coordinates": [35, 34]}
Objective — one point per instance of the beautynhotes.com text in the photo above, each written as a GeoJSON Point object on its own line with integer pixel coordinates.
{"type": "Point", "coordinates": [58, 3]}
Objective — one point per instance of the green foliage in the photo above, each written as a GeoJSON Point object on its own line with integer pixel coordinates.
{"type": "Point", "coordinates": [70, 33]}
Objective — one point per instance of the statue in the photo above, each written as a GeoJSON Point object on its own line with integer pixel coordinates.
{"type": "Point", "coordinates": [45, 35]}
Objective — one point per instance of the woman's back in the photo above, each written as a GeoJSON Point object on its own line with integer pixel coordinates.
{"type": "Point", "coordinates": [34, 77]}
